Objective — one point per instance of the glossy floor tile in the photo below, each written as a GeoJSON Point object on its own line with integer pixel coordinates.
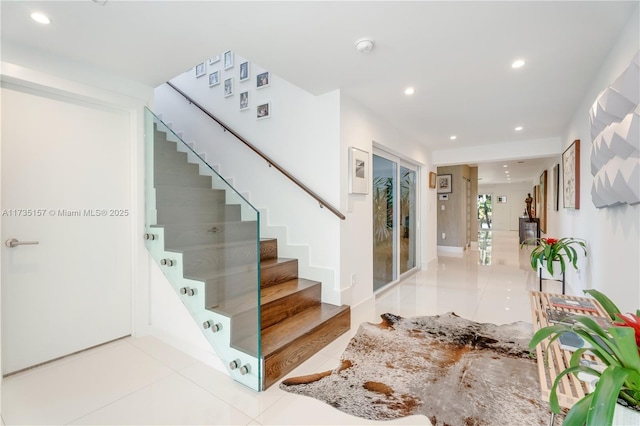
{"type": "Point", "coordinates": [143, 381]}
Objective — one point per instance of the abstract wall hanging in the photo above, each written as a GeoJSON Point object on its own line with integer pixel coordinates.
{"type": "Point", "coordinates": [615, 131]}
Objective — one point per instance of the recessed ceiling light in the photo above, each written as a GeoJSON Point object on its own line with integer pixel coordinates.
{"type": "Point", "coordinates": [40, 18]}
{"type": "Point", "coordinates": [517, 129]}
{"type": "Point", "coordinates": [364, 45]}
{"type": "Point", "coordinates": [409, 91]}
{"type": "Point", "coordinates": [453, 138]}
{"type": "Point", "coordinates": [504, 165]}
{"type": "Point", "coordinates": [518, 63]}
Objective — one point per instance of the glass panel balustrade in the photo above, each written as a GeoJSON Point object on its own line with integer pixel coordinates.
{"type": "Point", "coordinates": [205, 237]}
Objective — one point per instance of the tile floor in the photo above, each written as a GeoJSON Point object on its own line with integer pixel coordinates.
{"type": "Point", "coordinates": [141, 381]}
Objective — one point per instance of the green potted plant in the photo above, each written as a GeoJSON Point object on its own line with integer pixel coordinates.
{"type": "Point", "coordinates": [617, 349]}
{"type": "Point", "coordinates": [550, 250]}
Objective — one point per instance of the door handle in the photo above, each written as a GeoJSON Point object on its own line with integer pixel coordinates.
{"type": "Point", "coordinates": [12, 242]}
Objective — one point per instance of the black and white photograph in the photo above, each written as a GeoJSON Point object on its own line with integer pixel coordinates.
{"type": "Point", "coordinates": [263, 80]}
{"type": "Point", "coordinates": [244, 71]}
{"type": "Point", "coordinates": [358, 171]}
{"type": "Point", "coordinates": [214, 60]}
{"type": "Point", "coordinates": [244, 101]}
{"type": "Point", "coordinates": [200, 69]}
{"type": "Point", "coordinates": [263, 111]}
{"type": "Point", "coordinates": [214, 78]}
{"type": "Point", "coordinates": [228, 59]}
{"type": "Point", "coordinates": [228, 87]}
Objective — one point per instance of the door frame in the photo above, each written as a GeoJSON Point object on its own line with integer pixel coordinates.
{"type": "Point", "coordinates": [26, 80]}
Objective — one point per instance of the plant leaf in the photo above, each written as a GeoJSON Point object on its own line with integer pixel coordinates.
{"type": "Point", "coordinates": [606, 303]}
{"type": "Point", "coordinates": [605, 396]}
{"type": "Point", "coordinates": [577, 416]}
{"type": "Point", "coordinates": [625, 337]}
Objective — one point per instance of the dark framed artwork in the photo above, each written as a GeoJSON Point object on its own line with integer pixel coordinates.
{"type": "Point", "coordinates": [444, 184]}
{"type": "Point", "coordinates": [543, 202]}
{"type": "Point", "coordinates": [556, 186]}
{"type": "Point", "coordinates": [571, 176]}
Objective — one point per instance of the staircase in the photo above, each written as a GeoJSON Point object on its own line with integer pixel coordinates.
{"type": "Point", "coordinates": [260, 317]}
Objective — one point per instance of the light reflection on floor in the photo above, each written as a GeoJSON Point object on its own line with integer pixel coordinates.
{"type": "Point", "coordinates": [485, 239]}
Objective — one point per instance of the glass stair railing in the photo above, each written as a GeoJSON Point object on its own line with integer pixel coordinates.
{"type": "Point", "coordinates": [206, 238]}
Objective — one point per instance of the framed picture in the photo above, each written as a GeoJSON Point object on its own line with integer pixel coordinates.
{"type": "Point", "coordinates": [358, 171]}
{"type": "Point", "coordinates": [263, 111]}
{"type": "Point", "coordinates": [244, 101]}
{"type": "Point", "coordinates": [571, 176]}
{"type": "Point", "coordinates": [444, 184]}
{"type": "Point", "coordinates": [228, 87]}
{"type": "Point", "coordinates": [556, 186]}
{"type": "Point", "coordinates": [214, 60]}
{"type": "Point", "coordinates": [542, 214]}
{"type": "Point", "coordinates": [432, 179]}
{"type": "Point", "coordinates": [228, 59]}
{"type": "Point", "coordinates": [244, 71]}
{"type": "Point", "coordinates": [200, 70]}
{"type": "Point", "coordinates": [263, 80]}
{"type": "Point", "coordinates": [214, 78]}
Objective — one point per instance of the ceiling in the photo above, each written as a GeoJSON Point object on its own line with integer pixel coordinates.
{"type": "Point", "coordinates": [457, 55]}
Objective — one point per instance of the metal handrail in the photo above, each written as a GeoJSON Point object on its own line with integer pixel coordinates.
{"type": "Point", "coordinates": [269, 161]}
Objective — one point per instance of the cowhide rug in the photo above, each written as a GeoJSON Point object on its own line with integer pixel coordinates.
{"type": "Point", "coordinates": [452, 370]}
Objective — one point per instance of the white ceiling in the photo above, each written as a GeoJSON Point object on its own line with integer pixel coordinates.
{"type": "Point", "coordinates": [456, 54]}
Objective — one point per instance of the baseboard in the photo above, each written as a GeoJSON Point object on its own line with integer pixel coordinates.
{"type": "Point", "coordinates": [450, 251]}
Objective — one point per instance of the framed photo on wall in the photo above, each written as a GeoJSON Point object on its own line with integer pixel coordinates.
{"type": "Point", "coordinates": [444, 184]}
{"type": "Point", "coordinates": [263, 111]}
{"type": "Point", "coordinates": [542, 214]}
{"type": "Point", "coordinates": [244, 71]}
{"type": "Point", "coordinates": [228, 87]}
{"type": "Point", "coordinates": [571, 176]}
{"type": "Point", "coordinates": [214, 78]}
{"type": "Point", "coordinates": [228, 60]}
{"type": "Point", "coordinates": [432, 179]}
{"type": "Point", "coordinates": [263, 80]}
{"type": "Point", "coordinates": [200, 70]}
{"type": "Point", "coordinates": [244, 101]}
{"type": "Point", "coordinates": [358, 171]}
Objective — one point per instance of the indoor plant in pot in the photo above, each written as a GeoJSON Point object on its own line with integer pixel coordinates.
{"type": "Point", "coordinates": [550, 251]}
{"type": "Point", "coordinates": [617, 349]}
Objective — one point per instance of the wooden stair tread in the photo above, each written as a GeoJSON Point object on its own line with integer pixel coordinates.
{"type": "Point", "coordinates": [286, 332]}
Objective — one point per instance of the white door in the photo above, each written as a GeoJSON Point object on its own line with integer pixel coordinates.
{"type": "Point", "coordinates": [66, 183]}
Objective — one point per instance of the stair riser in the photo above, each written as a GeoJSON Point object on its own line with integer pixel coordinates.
{"type": "Point", "coordinates": [278, 310]}
{"type": "Point", "coordinates": [180, 179]}
{"type": "Point", "coordinates": [187, 196]}
{"type": "Point", "coordinates": [268, 249]}
{"type": "Point", "coordinates": [220, 260]}
{"type": "Point", "coordinates": [214, 233]}
{"type": "Point", "coordinates": [168, 159]}
{"type": "Point", "coordinates": [228, 214]}
{"type": "Point", "coordinates": [278, 273]}
{"type": "Point", "coordinates": [289, 357]}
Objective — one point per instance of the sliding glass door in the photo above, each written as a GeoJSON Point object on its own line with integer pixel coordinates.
{"type": "Point", "coordinates": [394, 218]}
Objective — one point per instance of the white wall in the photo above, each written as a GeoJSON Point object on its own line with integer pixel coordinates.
{"type": "Point", "coordinates": [613, 233]}
{"type": "Point", "coordinates": [361, 129]}
{"type": "Point", "coordinates": [505, 215]}
{"type": "Point", "coordinates": [302, 136]}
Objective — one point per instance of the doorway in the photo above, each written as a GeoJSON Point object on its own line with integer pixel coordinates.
{"type": "Point", "coordinates": [485, 209]}
{"type": "Point", "coordinates": [394, 198]}
{"type": "Point", "coordinates": [66, 199]}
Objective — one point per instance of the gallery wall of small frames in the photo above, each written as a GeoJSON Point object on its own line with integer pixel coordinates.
{"type": "Point", "coordinates": [221, 69]}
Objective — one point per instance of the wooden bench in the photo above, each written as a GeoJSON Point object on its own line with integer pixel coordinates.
{"type": "Point", "coordinates": [553, 359]}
